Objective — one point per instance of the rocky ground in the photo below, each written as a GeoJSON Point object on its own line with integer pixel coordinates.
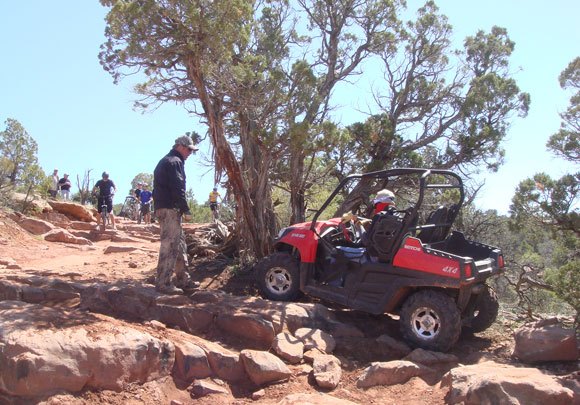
{"type": "Point", "coordinates": [80, 323]}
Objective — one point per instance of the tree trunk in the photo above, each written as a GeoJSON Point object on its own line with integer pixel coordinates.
{"type": "Point", "coordinates": [297, 185]}
{"type": "Point", "coordinates": [248, 181]}
{"type": "Point", "coordinates": [360, 194]}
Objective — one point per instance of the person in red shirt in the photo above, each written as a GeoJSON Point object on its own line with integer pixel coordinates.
{"type": "Point", "coordinates": [383, 200]}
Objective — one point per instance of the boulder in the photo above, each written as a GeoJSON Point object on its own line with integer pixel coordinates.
{"type": "Point", "coordinates": [123, 238]}
{"type": "Point", "coordinates": [288, 348]}
{"type": "Point", "coordinates": [119, 249]}
{"type": "Point", "coordinates": [545, 340]}
{"type": "Point", "coordinates": [190, 362]}
{"type": "Point", "coordinates": [82, 226]}
{"type": "Point", "coordinates": [389, 373]}
{"type": "Point", "coordinates": [36, 226]}
{"type": "Point", "coordinates": [494, 383]}
{"type": "Point", "coordinates": [252, 327]}
{"type": "Point", "coordinates": [313, 399]}
{"type": "Point", "coordinates": [73, 211]}
{"type": "Point", "coordinates": [327, 371]}
{"type": "Point", "coordinates": [316, 338]}
{"type": "Point", "coordinates": [185, 317]}
{"type": "Point", "coordinates": [224, 363]}
{"type": "Point", "coordinates": [45, 350]}
{"type": "Point", "coordinates": [264, 367]}
{"type": "Point", "coordinates": [57, 219]}
{"type": "Point", "coordinates": [64, 236]}
{"type": "Point", "coordinates": [429, 358]}
{"type": "Point", "coordinates": [38, 290]}
{"type": "Point", "coordinates": [310, 355]}
{"type": "Point", "coordinates": [7, 261]}
{"type": "Point", "coordinates": [394, 346]}
{"type": "Point", "coordinates": [202, 388]}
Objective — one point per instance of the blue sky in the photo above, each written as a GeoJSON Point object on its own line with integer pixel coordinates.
{"type": "Point", "coordinates": [52, 83]}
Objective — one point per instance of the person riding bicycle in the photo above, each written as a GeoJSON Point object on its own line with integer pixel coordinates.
{"type": "Point", "coordinates": [106, 189]}
{"type": "Point", "coordinates": [146, 197]}
{"type": "Point", "coordinates": [213, 202]}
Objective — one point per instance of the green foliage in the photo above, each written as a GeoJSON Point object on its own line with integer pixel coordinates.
{"type": "Point", "coordinates": [566, 142]}
{"type": "Point", "coordinates": [548, 202]}
{"type": "Point", "coordinates": [142, 178]}
{"type": "Point", "coordinates": [550, 206]}
{"type": "Point", "coordinates": [18, 152]}
{"type": "Point", "coordinates": [263, 83]}
{"type": "Point", "coordinates": [566, 280]}
{"type": "Point", "coordinates": [19, 169]}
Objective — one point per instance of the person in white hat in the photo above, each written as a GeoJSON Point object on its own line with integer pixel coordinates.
{"type": "Point", "coordinates": [53, 190]}
{"type": "Point", "coordinates": [64, 185]}
{"type": "Point", "coordinates": [384, 199]}
{"type": "Point", "coordinates": [170, 206]}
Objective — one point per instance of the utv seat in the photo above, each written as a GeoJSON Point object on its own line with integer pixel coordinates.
{"type": "Point", "coordinates": [382, 235]}
{"type": "Point", "coordinates": [434, 228]}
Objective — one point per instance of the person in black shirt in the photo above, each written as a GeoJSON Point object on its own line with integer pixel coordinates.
{"type": "Point", "coordinates": [64, 187]}
{"type": "Point", "coordinates": [137, 191]}
{"type": "Point", "coordinates": [170, 206]}
{"type": "Point", "coordinates": [107, 190]}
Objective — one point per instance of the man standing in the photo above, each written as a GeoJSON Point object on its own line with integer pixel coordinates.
{"type": "Point", "coordinates": [64, 186]}
{"type": "Point", "coordinates": [53, 190]}
{"type": "Point", "coordinates": [107, 190]}
{"type": "Point", "coordinates": [145, 197]}
{"type": "Point", "coordinates": [170, 205]}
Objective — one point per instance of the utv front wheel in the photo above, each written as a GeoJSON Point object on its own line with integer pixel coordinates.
{"type": "Point", "coordinates": [484, 311]}
{"type": "Point", "coordinates": [279, 277]}
{"type": "Point", "coordinates": [430, 320]}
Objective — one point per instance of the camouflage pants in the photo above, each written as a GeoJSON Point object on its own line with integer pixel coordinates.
{"type": "Point", "coordinates": [173, 250]}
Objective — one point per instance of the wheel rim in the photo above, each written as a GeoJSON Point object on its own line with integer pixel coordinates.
{"type": "Point", "coordinates": [278, 280]}
{"type": "Point", "coordinates": [425, 323]}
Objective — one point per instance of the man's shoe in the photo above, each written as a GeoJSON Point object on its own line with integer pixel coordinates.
{"type": "Point", "coordinates": [169, 289]}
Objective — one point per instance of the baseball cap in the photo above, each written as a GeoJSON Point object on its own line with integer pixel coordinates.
{"type": "Point", "coordinates": [187, 142]}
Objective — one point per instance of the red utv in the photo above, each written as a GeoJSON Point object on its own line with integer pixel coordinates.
{"type": "Point", "coordinates": [406, 262]}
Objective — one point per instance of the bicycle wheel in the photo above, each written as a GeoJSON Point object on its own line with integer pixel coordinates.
{"type": "Point", "coordinates": [104, 219]}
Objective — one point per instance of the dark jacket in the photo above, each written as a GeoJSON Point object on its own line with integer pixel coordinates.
{"type": "Point", "coordinates": [169, 183]}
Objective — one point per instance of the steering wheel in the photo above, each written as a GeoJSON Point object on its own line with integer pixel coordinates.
{"type": "Point", "coordinates": [340, 234]}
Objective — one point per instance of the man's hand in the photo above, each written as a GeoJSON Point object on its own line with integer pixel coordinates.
{"type": "Point", "coordinates": [187, 217]}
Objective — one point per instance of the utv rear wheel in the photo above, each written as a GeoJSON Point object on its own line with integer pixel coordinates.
{"type": "Point", "coordinates": [279, 277]}
{"type": "Point", "coordinates": [430, 320]}
{"type": "Point", "coordinates": [485, 310]}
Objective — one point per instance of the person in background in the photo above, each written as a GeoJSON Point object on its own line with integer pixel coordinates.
{"type": "Point", "coordinates": [170, 206]}
{"type": "Point", "coordinates": [53, 190]}
{"type": "Point", "coordinates": [64, 185]}
{"type": "Point", "coordinates": [383, 201]}
{"type": "Point", "coordinates": [137, 191]}
{"type": "Point", "coordinates": [146, 197]}
{"type": "Point", "coordinates": [107, 189]}
{"type": "Point", "coordinates": [213, 202]}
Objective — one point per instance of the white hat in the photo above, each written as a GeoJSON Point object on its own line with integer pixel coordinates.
{"type": "Point", "coordinates": [384, 196]}
{"type": "Point", "coordinates": [187, 142]}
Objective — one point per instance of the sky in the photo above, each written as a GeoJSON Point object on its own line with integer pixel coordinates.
{"type": "Point", "coordinates": [52, 83]}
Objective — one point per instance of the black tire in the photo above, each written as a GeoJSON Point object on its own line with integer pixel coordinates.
{"type": "Point", "coordinates": [484, 311]}
{"type": "Point", "coordinates": [430, 320]}
{"type": "Point", "coordinates": [104, 220]}
{"type": "Point", "coordinates": [278, 277]}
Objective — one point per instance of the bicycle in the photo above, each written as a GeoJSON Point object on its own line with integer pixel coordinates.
{"type": "Point", "coordinates": [215, 211]}
{"type": "Point", "coordinates": [105, 216]}
{"type": "Point", "coordinates": [130, 208]}
{"type": "Point", "coordinates": [104, 213]}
